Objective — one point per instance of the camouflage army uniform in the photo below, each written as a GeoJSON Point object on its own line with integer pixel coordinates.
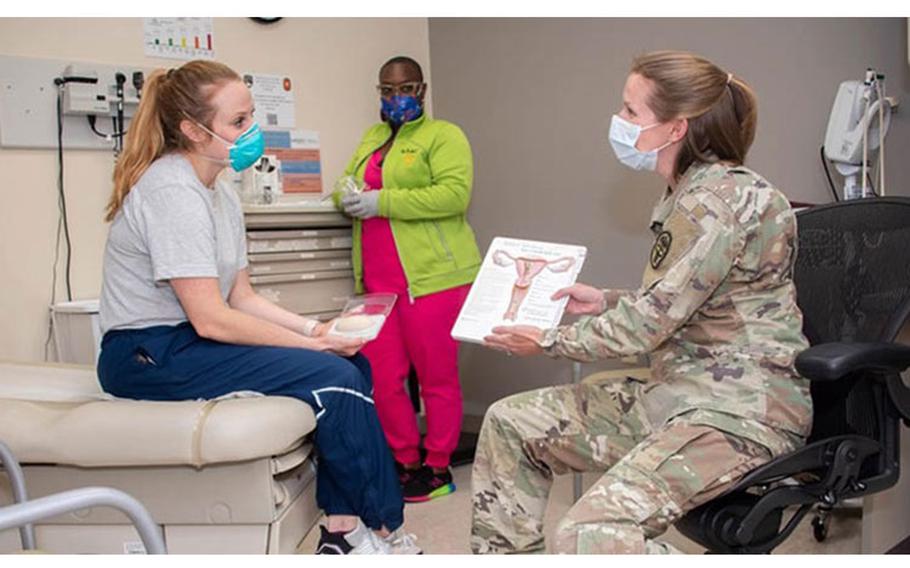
{"type": "Point", "coordinates": [717, 313]}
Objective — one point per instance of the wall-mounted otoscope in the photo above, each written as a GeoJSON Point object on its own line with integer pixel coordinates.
{"type": "Point", "coordinates": [119, 80]}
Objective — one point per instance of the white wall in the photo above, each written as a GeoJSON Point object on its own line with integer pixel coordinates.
{"type": "Point", "coordinates": [333, 62]}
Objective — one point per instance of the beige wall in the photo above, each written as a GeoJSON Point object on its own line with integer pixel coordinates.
{"type": "Point", "coordinates": [334, 63]}
{"type": "Point", "coordinates": [535, 97]}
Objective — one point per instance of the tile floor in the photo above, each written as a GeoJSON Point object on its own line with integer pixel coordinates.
{"type": "Point", "coordinates": [442, 526]}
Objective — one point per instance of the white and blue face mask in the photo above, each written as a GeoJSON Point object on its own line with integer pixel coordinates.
{"type": "Point", "coordinates": [624, 136]}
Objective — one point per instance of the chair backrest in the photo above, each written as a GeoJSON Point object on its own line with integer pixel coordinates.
{"type": "Point", "coordinates": [852, 279]}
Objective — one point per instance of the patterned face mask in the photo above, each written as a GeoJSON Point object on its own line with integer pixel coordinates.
{"type": "Point", "coordinates": [401, 108]}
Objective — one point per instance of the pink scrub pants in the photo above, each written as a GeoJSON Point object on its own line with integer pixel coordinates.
{"type": "Point", "coordinates": [418, 334]}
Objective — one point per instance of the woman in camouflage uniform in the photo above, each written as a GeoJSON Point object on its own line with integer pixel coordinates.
{"type": "Point", "coordinates": [716, 312]}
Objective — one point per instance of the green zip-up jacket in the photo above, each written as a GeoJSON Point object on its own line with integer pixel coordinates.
{"type": "Point", "coordinates": [426, 188]}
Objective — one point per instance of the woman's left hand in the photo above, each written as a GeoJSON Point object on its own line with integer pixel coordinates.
{"type": "Point", "coordinates": [363, 205]}
{"type": "Point", "coordinates": [520, 340]}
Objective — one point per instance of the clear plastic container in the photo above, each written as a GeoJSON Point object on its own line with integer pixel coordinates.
{"type": "Point", "coordinates": [348, 185]}
{"type": "Point", "coordinates": [363, 316]}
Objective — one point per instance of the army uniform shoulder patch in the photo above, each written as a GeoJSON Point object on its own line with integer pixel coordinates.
{"type": "Point", "coordinates": [673, 240]}
{"type": "Point", "coordinates": [661, 248]}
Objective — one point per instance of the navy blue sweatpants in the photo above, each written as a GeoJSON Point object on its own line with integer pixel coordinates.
{"type": "Point", "coordinates": [355, 473]}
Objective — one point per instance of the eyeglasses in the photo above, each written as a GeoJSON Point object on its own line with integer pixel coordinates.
{"type": "Point", "coordinates": [388, 90]}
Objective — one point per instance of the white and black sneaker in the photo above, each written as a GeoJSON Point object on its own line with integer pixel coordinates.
{"type": "Point", "coordinates": [361, 540]}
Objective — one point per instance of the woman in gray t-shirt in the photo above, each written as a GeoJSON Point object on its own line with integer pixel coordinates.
{"type": "Point", "coordinates": [181, 320]}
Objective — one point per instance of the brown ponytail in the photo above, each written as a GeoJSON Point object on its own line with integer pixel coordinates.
{"type": "Point", "coordinates": [721, 108]}
{"type": "Point", "coordinates": [169, 97]}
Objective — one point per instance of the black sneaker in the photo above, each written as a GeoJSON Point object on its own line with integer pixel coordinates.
{"type": "Point", "coordinates": [361, 540]}
{"type": "Point", "coordinates": [405, 475]}
{"type": "Point", "coordinates": [425, 485]}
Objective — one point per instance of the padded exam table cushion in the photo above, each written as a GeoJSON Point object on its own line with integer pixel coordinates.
{"type": "Point", "coordinates": [58, 414]}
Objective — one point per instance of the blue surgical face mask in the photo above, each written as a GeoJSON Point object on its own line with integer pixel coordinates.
{"type": "Point", "coordinates": [245, 149]}
{"type": "Point", "coordinates": [624, 136]}
{"type": "Point", "coordinates": [401, 108]}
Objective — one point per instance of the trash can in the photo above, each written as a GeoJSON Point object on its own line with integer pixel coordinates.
{"type": "Point", "coordinates": [77, 331]}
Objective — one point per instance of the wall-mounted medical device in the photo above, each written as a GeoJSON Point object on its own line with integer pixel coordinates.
{"type": "Point", "coordinates": [855, 136]}
{"type": "Point", "coordinates": [82, 92]}
{"type": "Point", "coordinates": [29, 88]}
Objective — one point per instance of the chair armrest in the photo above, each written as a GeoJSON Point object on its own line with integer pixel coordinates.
{"type": "Point", "coordinates": [832, 361]}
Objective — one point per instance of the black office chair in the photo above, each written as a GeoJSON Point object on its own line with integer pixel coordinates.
{"type": "Point", "coordinates": [853, 285]}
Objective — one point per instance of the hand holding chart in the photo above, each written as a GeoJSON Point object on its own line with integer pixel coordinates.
{"type": "Point", "coordinates": [514, 286]}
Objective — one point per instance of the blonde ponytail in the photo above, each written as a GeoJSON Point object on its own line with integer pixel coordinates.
{"type": "Point", "coordinates": [721, 108]}
{"type": "Point", "coordinates": [169, 97]}
{"type": "Point", "coordinates": [143, 145]}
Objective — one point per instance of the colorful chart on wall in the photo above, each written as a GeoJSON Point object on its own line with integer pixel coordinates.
{"type": "Point", "coordinates": [298, 152]}
{"type": "Point", "coordinates": [514, 286]}
{"type": "Point", "coordinates": [179, 38]}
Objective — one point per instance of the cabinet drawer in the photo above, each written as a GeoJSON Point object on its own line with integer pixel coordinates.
{"type": "Point", "coordinates": [278, 219]}
{"type": "Point", "coordinates": [308, 293]}
{"type": "Point", "coordinates": [289, 241]}
{"type": "Point", "coordinates": [299, 262]}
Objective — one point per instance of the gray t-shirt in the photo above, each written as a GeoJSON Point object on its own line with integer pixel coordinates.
{"type": "Point", "coordinates": [170, 226]}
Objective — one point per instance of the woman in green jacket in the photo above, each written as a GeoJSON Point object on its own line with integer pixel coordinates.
{"type": "Point", "coordinates": [411, 238]}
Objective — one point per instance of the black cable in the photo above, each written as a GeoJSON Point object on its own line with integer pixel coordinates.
{"type": "Point", "coordinates": [91, 123]}
{"type": "Point", "coordinates": [872, 187]}
{"type": "Point", "coordinates": [62, 193]}
{"type": "Point", "coordinates": [828, 174]}
{"type": "Point", "coordinates": [50, 321]}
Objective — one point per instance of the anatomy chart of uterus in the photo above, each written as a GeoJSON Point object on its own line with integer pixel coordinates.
{"type": "Point", "coordinates": [527, 268]}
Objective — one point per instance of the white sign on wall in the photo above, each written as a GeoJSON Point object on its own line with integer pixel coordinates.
{"type": "Point", "coordinates": [273, 96]}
